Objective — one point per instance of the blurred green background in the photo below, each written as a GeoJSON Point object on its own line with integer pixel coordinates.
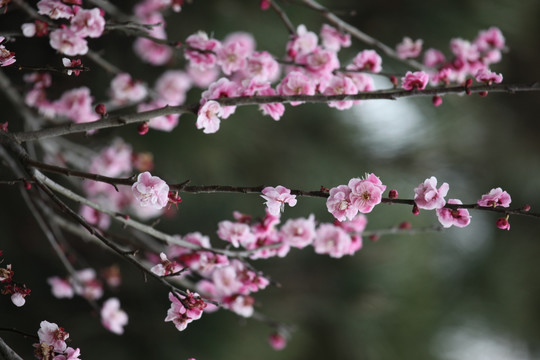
{"type": "Point", "coordinates": [470, 293]}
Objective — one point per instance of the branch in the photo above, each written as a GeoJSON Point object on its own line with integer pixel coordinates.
{"type": "Point", "coordinates": [121, 120]}
{"type": "Point", "coordinates": [283, 16]}
{"type": "Point", "coordinates": [7, 353]}
{"type": "Point", "coordinates": [388, 51]}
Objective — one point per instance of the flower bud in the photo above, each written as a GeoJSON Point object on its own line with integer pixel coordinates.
{"type": "Point", "coordinates": [143, 128]}
{"type": "Point", "coordinates": [503, 224]}
{"type": "Point", "coordinates": [100, 109]}
{"type": "Point", "coordinates": [437, 100]}
{"type": "Point", "coordinates": [393, 194]}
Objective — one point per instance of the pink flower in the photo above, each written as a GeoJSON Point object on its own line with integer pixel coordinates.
{"type": "Point", "coordinates": [408, 48]}
{"type": "Point", "coordinates": [366, 60]}
{"type": "Point", "coordinates": [151, 191]}
{"type": "Point", "coordinates": [340, 85]}
{"type": "Point", "coordinates": [366, 193]}
{"type": "Point", "coordinates": [426, 195]}
{"type": "Point", "coordinates": [6, 57]}
{"type": "Point", "coordinates": [166, 266]}
{"type": "Point", "coordinates": [112, 317]}
{"type": "Point", "coordinates": [152, 52]}
{"type": "Point", "coordinates": [321, 62]}
{"type": "Point", "coordinates": [490, 38]}
{"type": "Point", "coordinates": [448, 217]}
{"type": "Point", "coordinates": [54, 9]}
{"type": "Point", "coordinates": [61, 288]}
{"type": "Point", "coordinates": [488, 77]}
{"type": "Point", "coordinates": [125, 90]}
{"type": "Point", "coordinates": [464, 50]}
{"type": "Point", "coordinates": [255, 88]}
{"type": "Point", "coordinates": [220, 89]}
{"type": "Point", "coordinates": [433, 58]}
{"type": "Point", "coordinates": [331, 240]}
{"type": "Point", "coordinates": [232, 56]}
{"type": "Point", "coordinates": [333, 39]}
{"type": "Point", "coordinates": [88, 23]}
{"type": "Point", "coordinates": [503, 224]}
{"type": "Point", "coordinates": [207, 57]}
{"type": "Point", "coordinates": [208, 117]}
{"type": "Point", "coordinates": [236, 233]}
{"type": "Point", "coordinates": [299, 232]}
{"type": "Point", "coordinates": [356, 225]}
{"type": "Point", "coordinates": [202, 78]}
{"type": "Point", "coordinates": [496, 197]}
{"type": "Point", "coordinates": [51, 334]}
{"type": "Point", "coordinates": [276, 198]}
{"type": "Point", "coordinates": [277, 341]}
{"type": "Point", "coordinates": [296, 83]}
{"type": "Point", "coordinates": [303, 42]}
{"type": "Point", "coordinates": [76, 104]}
{"type": "Point", "coordinates": [67, 42]}
{"type": "Point", "coordinates": [339, 203]}
{"type": "Point", "coordinates": [414, 80]}
{"type": "Point", "coordinates": [261, 66]}
{"type": "Point", "coordinates": [182, 316]}
{"type": "Point", "coordinates": [172, 86]}
{"type": "Point", "coordinates": [69, 354]}
{"type": "Point", "coordinates": [87, 285]}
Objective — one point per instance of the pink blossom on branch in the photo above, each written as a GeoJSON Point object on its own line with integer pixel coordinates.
{"type": "Point", "coordinates": [52, 335]}
{"type": "Point", "coordinates": [209, 117]}
{"type": "Point", "coordinates": [488, 77]}
{"type": "Point", "coordinates": [339, 203]}
{"type": "Point", "coordinates": [151, 191]}
{"type": "Point", "coordinates": [276, 198]}
{"type": "Point", "coordinates": [333, 39]}
{"type": "Point", "coordinates": [496, 197]}
{"type": "Point", "coordinates": [366, 193]}
{"type": "Point", "coordinates": [182, 316]}
{"type": "Point", "coordinates": [458, 217]}
{"type": "Point", "coordinates": [366, 60]}
{"type": "Point", "coordinates": [414, 80]}
{"type": "Point", "coordinates": [88, 23]}
{"type": "Point", "coordinates": [67, 42]}
{"type": "Point", "coordinates": [6, 57]}
{"type": "Point", "coordinates": [428, 197]}
{"type": "Point", "coordinates": [296, 83]}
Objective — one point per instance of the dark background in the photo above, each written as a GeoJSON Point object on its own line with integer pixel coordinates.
{"type": "Point", "coordinates": [470, 293]}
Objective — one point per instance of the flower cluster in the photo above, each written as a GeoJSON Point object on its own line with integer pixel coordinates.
{"type": "Point", "coordinates": [17, 291]}
{"type": "Point", "coordinates": [52, 343]}
{"type": "Point", "coordinates": [184, 309]}
{"type": "Point", "coordinates": [360, 195]}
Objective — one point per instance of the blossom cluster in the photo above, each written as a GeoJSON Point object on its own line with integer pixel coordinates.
{"type": "Point", "coordinates": [52, 343]}
{"type": "Point", "coordinates": [17, 291]}
{"type": "Point", "coordinates": [6, 57]}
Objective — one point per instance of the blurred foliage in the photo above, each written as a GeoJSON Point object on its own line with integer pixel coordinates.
{"type": "Point", "coordinates": [403, 297]}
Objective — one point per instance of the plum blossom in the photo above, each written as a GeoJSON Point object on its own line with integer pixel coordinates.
{"type": "Point", "coordinates": [88, 23]}
{"type": "Point", "coordinates": [112, 317]}
{"type": "Point", "coordinates": [488, 77]}
{"type": "Point", "coordinates": [61, 288]}
{"type": "Point", "coordinates": [52, 335]}
{"type": "Point", "coordinates": [149, 50]}
{"type": "Point", "coordinates": [261, 66]}
{"type": "Point", "coordinates": [491, 37]}
{"type": "Point", "coordinates": [220, 89]}
{"type": "Point", "coordinates": [428, 197]}
{"type": "Point", "coordinates": [333, 39]}
{"type": "Point", "coordinates": [276, 198]}
{"type": "Point", "coordinates": [332, 240]}
{"type": "Point", "coordinates": [339, 203]}
{"type": "Point", "coordinates": [298, 232]}
{"type": "Point", "coordinates": [303, 42]}
{"type": "Point", "coordinates": [496, 197]}
{"type": "Point", "coordinates": [409, 48]}
{"type": "Point", "coordinates": [166, 266]}
{"type": "Point", "coordinates": [366, 60]}
{"type": "Point", "coordinates": [202, 78]}
{"type": "Point", "coordinates": [202, 59]}
{"type": "Point", "coordinates": [232, 56]}
{"type": "Point", "coordinates": [236, 233]}
{"type": "Point", "coordinates": [433, 58]}
{"type": "Point", "coordinates": [151, 191]}
{"type": "Point", "coordinates": [125, 90]}
{"type": "Point", "coordinates": [340, 85]}
{"type": "Point", "coordinates": [503, 223]}
{"type": "Point", "coordinates": [6, 57]}
{"type": "Point", "coordinates": [54, 9]}
{"type": "Point", "coordinates": [255, 88]}
{"type": "Point", "coordinates": [208, 117]}
{"type": "Point", "coordinates": [182, 316]}
{"type": "Point", "coordinates": [69, 354]}
{"type": "Point", "coordinates": [414, 80]}
{"type": "Point", "coordinates": [277, 341]}
{"type": "Point", "coordinates": [366, 193]}
{"type": "Point", "coordinates": [172, 86]}
{"type": "Point", "coordinates": [76, 104]}
{"type": "Point", "coordinates": [18, 293]}
{"type": "Point", "coordinates": [68, 42]}
{"type": "Point", "coordinates": [448, 217]}
{"type": "Point", "coordinates": [296, 83]}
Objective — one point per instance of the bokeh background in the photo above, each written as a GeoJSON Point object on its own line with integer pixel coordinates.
{"type": "Point", "coordinates": [470, 293]}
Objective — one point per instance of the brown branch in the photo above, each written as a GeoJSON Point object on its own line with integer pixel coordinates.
{"type": "Point", "coordinates": [114, 121]}
{"type": "Point", "coordinates": [283, 16]}
{"type": "Point", "coordinates": [8, 353]}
